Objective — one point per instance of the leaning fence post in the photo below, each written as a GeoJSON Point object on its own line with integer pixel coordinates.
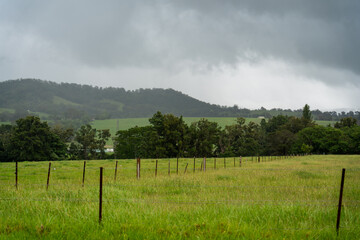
{"type": "Point", "coordinates": [48, 177]}
{"type": "Point", "coordinates": [116, 164]}
{"type": "Point", "coordinates": [156, 164]}
{"type": "Point", "coordinates": [186, 167]}
{"type": "Point", "coordinates": [100, 194]}
{"type": "Point", "coordinates": [16, 175]}
{"type": "Point", "coordinates": [83, 179]}
{"type": "Point", "coordinates": [340, 201]}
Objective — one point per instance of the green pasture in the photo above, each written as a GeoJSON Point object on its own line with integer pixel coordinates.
{"type": "Point", "coordinates": [293, 198]}
{"type": "Point", "coordinates": [9, 110]}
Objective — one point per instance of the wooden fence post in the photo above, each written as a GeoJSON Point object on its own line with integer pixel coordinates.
{"type": "Point", "coordinates": [116, 165]}
{"type": "Point", "coordinates": [100, 194]}
{"type": "Point", "coordinates": [240, 161]}
{"type": "Point", "coordinates": [48, 177]}
{"type": "Point", "coordinates": [138, 168]}
{"type": "Point", "coordinates": [177, 165]}
{"type": "Point", "coordinates": [169, 168]}
{"type": "Point", "coordinates": [224, 162]}
{"type": "Point", "coordinates": [16, 175]}
{"type": "Point", "coordinates": [214, 163]}
{"type": "Point", "coordinates": [340, 201]}
{"type": "Point", "coordinates": [186, 167]}
{"type": "Point", "coordinates": [194, 164]}
{"type": "Point", "coordinates": [204, 164]}
{"type": "Point", "coordinates": [156, 167]}
{"type": "Point", "coordinates": [83, 178]}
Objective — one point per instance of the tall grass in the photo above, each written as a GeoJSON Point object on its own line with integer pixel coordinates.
{"type": "Point", "coordinates": [289, 198]}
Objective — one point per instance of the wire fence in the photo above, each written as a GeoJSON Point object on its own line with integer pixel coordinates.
{"type": "Point", "coordinates": [241, 201]}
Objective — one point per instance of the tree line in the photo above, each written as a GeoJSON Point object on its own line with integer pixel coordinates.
{"type": "Point", "coordinates": [168, 136]}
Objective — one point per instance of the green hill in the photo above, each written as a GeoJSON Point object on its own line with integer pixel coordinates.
{"type": "Point", "coordinates": [70, 101]}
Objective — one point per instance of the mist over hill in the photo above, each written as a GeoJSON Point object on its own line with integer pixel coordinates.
{"type": "Point", "coordinates": [56, 101]}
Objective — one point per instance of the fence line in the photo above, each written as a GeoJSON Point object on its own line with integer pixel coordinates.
{"type": "Point", "coordinates": [180, 185]}
{"type": "Point", "coordinates": [185, 202]}
{"type": "Point", "coordinates": [238, 202]}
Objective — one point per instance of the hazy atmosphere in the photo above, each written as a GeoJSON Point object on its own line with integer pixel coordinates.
{"type": "Point", "coordinates": [277, 53]}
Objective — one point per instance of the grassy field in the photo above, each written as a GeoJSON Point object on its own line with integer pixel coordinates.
{"type": "Point", "coordinates": [9, 110]}
{"type": "Point", "coordinates": [126, 123]}
{"type": "Point", "coordinates": [292, 198]}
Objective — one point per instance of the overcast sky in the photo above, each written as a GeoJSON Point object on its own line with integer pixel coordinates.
{"type": "Point", "coordinates": [270, 53]}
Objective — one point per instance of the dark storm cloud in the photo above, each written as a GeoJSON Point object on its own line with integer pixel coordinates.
{"type": "Point", "coordinates": [158, 33]}
{"type": "Point", "coordinates": [304, 51]}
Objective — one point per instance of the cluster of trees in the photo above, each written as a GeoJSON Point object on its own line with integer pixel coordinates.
{"type": "Point", "coordinates": [169, 136]}
{"type": "Point", "coordinates": [30, 139]}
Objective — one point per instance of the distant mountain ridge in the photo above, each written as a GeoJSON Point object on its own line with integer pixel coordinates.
{"type": "Point", "coordinates": [70, 100]}
{"type": "Point", "coordinates": [61, 101]}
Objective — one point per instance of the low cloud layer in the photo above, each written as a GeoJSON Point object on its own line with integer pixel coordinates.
{"type": "Point", "coordinates": [278, 53]}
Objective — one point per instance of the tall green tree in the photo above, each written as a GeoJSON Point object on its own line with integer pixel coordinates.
{"type": "Point", "coordinates": [86, 137]}
{"type": "Point", "coordinates": [346, 122]}
{"type": "Point", "coordinates": [171, 131]}
{"type": "Point", "coordinates": [5, 134]}
{"type": "Point", "coordinates": [102, 137]}
{"type": "Point", "coordinates": [33, 140]}
{"type": "Point", "coordinates": [138, 142]}
{"type": "Point", "coordinates": [204, 137]}
{"type": "Point", "coordinates": [306, 116]}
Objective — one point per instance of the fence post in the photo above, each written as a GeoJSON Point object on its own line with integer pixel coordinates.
{"type": "Point", "coordinates": [186, 167]}
{"type": "Point", "coordinates": [240, 161]}
{"type": "Point", "coordinates": [259, 159]}
{"type": "Point", "coordinates": [138, 168]}
{"type": "Point", "coordinates": [224, 162]}
{"type": "Point", "coordinates": [16, 175]}
{"type": "Point", "coordinates": [48, 177]}
{"type": "Point", "coordinates": [214, 163]}
{"type": "Point", "coordinates": [194, 164]}
{"type": "Point", "coordinates": [204, 164]}
{"type": "Point", "coordinates": [116, 164]}
{"type": "Point", "coordinates": [156, 167]}
{"type": "Point", "coordinates": [177, 165]}
{"type": "Point", "coordinates": [83, 180]}
{"type": "Point", "coordinates": [100, 194]}
{"type": "Point", "coordinates": [169, 168]}
{"type": "Point", "coordinates": [340, 201]}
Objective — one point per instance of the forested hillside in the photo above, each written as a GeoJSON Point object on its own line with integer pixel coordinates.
{"type": "Point", "coordinates": [70, 101]}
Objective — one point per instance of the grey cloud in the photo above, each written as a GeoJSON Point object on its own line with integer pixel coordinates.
{"type": "Point", "coordinates": [163, 33]}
